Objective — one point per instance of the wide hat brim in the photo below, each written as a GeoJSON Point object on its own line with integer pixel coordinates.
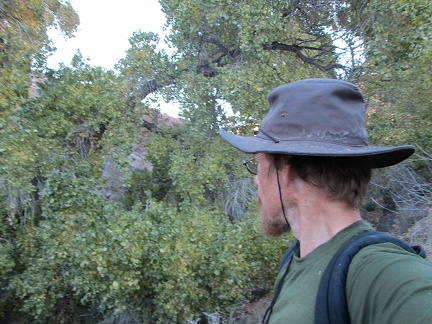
{"type": "Point", "coordinates": [317, 117]}
{"type": "Point", "coordinates": [378, 156]}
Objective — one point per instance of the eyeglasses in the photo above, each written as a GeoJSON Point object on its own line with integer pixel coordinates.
{"type": "Point", "coordinates": [252, 165]}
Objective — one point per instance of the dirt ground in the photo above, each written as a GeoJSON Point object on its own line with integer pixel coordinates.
{"type": "Point", "coordinates": [252, 312]}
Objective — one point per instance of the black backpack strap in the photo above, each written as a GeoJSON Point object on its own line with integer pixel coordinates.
{"type": "Point", "coordinates": [288, 255]}
{"type": "Point", "coordinates": [419, 251]}
{"type": "Point", "coordinates": [331, 303]}
{"type": "Point", "coordinates": [286, 259]}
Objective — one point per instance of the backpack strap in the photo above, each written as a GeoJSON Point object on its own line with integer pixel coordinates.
{"type": "Point", "coordinates": [331, 303]}
{"type": "Point", "coordinates": [287, 257]}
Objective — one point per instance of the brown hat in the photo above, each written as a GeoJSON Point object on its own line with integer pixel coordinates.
{"type": "Point", "coordinates": [317, 117]}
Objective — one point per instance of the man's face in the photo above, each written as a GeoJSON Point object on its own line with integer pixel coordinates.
{"type": "Point", "coordinates": [269, 205]}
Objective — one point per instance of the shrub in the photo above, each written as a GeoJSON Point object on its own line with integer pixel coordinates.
{"type": "Point", "coordinates": [161, 265]}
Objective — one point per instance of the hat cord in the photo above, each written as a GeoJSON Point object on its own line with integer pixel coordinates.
{"type": "Point", "coordinates": [271, 137]}
{"type": "Point", "coordinates": [280, 198]}
{"type": "Point", "coordinates": [278, 289]}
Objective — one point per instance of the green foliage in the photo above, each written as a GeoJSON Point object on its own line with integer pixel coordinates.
{"type": "Point", "coordinates": [147, 263]}
{"type": "Point", "coordinates": [141, 184]}
{"type": "Point", "coordinates": [400, 106]}
{"type": "Point", "coordinates": [6, 261]}
{"type": "Point", "coordinates": [188, 167]}
{"type": "Point", "coordinates": [61, 129]}
{"type": "Point", "coordinates": [56, 144]}
{"type": "Point", "coordinates": [400, 112]}
{"type": "Point", "coordinates": [412, 21]}
{"type": "Point", "coordinates": [24, 43]}
{"type": "Point", "coordinates": [204, 160]}
{"type": "Point", "coordinates": [221, 56]}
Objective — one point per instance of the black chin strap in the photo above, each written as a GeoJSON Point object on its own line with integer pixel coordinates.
{"type": "Point", "coordinates": [281, 200]}
{"type": "Point", "coordinates": [281, 282]}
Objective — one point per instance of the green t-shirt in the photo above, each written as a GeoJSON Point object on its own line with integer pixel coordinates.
{"type": "Point", "coordinates": [385, 284]}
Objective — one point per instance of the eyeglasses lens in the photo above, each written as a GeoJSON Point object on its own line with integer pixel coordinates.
{"type": "Point", "coordinates": [252, 166]}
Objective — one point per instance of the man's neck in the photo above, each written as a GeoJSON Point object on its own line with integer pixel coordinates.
{"type": "Point", "coordinates": [318, 223]}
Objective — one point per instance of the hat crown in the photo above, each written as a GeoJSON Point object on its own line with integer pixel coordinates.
{"type": "Point", "coordinates": [321, 110]}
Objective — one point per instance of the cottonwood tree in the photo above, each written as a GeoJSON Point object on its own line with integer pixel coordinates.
{"type": "Point", "coordinates": [223, 57]}
{"type": "Point", "coordinates": [25, 44]}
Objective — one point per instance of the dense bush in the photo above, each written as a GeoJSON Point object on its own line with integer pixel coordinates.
{"type": "Point", "coordinates": [159, 265]}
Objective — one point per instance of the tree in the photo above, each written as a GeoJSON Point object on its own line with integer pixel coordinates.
{"type": "Point", "coordinates": [52, 155]}
{"type": "Point", "coordinates": [25, 45]}
{"type": "Point", "coordinates": [217, 45]}
{"type": "Point", "coordinates": [62, 128]}
{"type": "Point", "coordinates": [399, 79]}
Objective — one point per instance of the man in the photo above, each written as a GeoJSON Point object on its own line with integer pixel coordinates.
{"type": "Point", "coordinates": [312, 166]}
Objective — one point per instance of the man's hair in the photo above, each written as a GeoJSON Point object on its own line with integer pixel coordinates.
{"type": "Point", "coordinates": [343, 179]}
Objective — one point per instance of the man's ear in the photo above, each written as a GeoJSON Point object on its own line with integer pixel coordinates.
{"type": "Point", "coordinates": [286, 173]}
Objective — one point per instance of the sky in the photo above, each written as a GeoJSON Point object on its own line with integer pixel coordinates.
{"type": "Point", "coordinates": [104, 30]}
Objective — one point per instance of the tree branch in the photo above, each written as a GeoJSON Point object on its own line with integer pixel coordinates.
{"type": "Point", "coordinates": [298, 50]}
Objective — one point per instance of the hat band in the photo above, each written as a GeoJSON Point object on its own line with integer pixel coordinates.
{"type": "Point", "coordinates": [337, 139]}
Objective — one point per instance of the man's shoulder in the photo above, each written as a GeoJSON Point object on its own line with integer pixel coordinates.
{"type": "Point", "coordinates": [386, 257]}
{"type": "Point", "coordinates": [386, 282]}
{"type": "Point", "coordinates": [386, 263]}
{"type": "Point", "coordinates": [385, 253]}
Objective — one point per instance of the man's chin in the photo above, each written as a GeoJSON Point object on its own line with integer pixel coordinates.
{"type": "Point", "coordinates": [269, 226]}
{"type": "Point", "coordinates": [273, 232]}
{"type": "Point", "coordinates": [272, 229]}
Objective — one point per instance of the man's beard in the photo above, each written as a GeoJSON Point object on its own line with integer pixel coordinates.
{"type": "Point", "coordinates": [271, 226]}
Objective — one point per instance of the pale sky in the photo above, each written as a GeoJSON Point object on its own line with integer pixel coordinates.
{"type": "Point", "coordinates": [103, 33]}
{"type": "Point", "coordinates": [106, 26]}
